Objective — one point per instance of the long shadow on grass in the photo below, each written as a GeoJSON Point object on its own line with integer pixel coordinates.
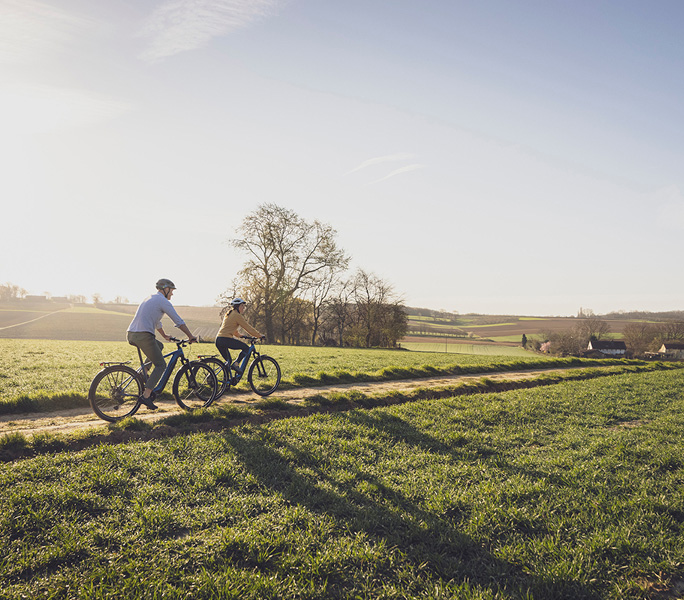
{"type": "Point", "coordinates": [426, 547]}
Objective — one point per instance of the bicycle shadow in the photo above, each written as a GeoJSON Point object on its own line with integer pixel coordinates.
{"type": "Point", "coordinates": [428, 539]}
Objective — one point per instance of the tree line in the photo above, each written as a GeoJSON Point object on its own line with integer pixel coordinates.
{"type": "Point", "coordinates": [297, 281]}
{"type": "Point", "coordinates": [639, 337]}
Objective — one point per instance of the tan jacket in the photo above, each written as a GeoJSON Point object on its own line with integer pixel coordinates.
{"type": "Point", "coordinates": [231, 322]}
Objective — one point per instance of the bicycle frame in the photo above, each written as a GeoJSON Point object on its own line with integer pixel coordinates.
{"type": "Point", "coordinates": [235, 377]}
{"type": "Point", "coordinates": [251, 352]}
{"type": "Point", "coordinates": [176, 355]}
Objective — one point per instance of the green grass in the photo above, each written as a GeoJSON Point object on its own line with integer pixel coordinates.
{"type": "Point", "coordinates": [475, 349]}
{"type": "Point", "coordinates": [571, 491]}
{"type": "Point", "coordinates": [51, 375]}
{"type": "Point", "coordinates": [47, 374]}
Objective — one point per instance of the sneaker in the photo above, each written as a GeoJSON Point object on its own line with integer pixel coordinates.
{"type": "Point", "coordinates": [148, 402]}
{"type": "Point", "coordinates": [236, 367]}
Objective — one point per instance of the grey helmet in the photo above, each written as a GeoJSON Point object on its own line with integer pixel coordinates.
{"type": "Point", "coordinates": [235, 302]}
{"type": "Point", "coordinates": [165, 283]}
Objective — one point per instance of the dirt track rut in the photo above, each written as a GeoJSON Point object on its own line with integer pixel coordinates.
{"type": "Point", "coordinates": [71, 420]}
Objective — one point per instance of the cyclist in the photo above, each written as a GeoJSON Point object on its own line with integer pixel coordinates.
{"type": "Point", "coordinates": [141, 333]}
{"type": "Point", "coordinates": [226, 338]}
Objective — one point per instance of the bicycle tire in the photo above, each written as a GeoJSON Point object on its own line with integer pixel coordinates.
{"type": "Point", "coordinates": [115, 393]}
{"type": "Point", "coordinates": [221, 373]}
{"type": "Point", "coordinates": [194, 386]}
{"type": "Point", "coordinates": [264, 375]}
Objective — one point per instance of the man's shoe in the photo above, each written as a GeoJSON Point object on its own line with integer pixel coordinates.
{"type": "Point", "coordinates": [148, 402]}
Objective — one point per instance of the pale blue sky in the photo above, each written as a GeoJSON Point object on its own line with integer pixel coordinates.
{"type": "Point", "coordinates": [491, 156]}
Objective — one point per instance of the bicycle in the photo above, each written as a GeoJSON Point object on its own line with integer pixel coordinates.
{"type": "Point", "coordinates": [115, 391]}
{"type": "Point", "coordinates": [263, 376]}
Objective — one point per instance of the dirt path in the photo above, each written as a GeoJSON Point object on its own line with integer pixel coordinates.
{"type": "Point", "coordinates": [71, 420]}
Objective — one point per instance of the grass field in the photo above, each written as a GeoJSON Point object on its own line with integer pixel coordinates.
{"type": "Point", "coordinates": [56, 374]}
{"type": "Point", "coordinates": [566, 492]}
{"type": "Point", "coordinates": [474, 349]}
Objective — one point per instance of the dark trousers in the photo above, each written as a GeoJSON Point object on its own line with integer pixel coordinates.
{"type": "Point", "coordinates": [225, 344]}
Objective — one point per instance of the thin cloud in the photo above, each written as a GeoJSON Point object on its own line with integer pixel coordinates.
{"type": "Point", "coordinates": [396, 172]}
{"type": "Point", "coordinates": [181, 25]}
{"type": "Point", "coordinates": [30, 30]}
{"type": "Point", "coordinates": [381, 159]}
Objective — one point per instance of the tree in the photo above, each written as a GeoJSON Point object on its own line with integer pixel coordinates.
{"type": "Point", "coordinates": [639, 336]}
{"type": "Point", "coordinates": [592, 327]}
{"type": "Point", "coordinates": [9, 291]}
{"type": "Point", "coordinates": [379, 317]}
{"type": "Point", "coordinates": [318, 293]}
{"type": "Point", "coordinates": [286, 255]}
{"type": "Point", "coordinates": [338, 312]}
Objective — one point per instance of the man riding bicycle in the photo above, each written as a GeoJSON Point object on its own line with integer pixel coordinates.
{"type": "Point", "coordinates": [140, 333]}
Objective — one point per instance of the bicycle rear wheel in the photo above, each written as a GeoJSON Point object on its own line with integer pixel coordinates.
{"type": "Point", "coordinates": [264, 375]}
{"type": "Point", "coordinates": [222, 379]}
{"type": "Point", "coordinates": [194, 386]}
{"type": "Point", "coordinates": [115, 393]}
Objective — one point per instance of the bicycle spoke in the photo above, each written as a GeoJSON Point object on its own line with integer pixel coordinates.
{"type": "Point", "coordinates": [264, 375]}
{"type": "Point", "coordinates": [194, 386]}
{"type": "Point", "coordinates": [114, 393]}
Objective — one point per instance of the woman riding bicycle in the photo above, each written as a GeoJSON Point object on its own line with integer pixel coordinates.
{"type": "Point", "coordinates": [226, 338]}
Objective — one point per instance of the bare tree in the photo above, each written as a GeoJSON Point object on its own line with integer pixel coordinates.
{"type": "Point", "coordinates": [338, 311]}
{"type": "Point", "coordinates": [380, 320]}
{"type": "Point", "coordinates": [590, 328]}
{"type": "Point", "coordinates": [639, 336]}
{"type": "Point", "coordinates": [285, 255]}
{"type": "Point", "coordinates": [10, 291]}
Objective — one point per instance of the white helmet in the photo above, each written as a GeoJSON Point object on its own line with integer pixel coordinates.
{"type": "Point", "coordinates": [235, 302]}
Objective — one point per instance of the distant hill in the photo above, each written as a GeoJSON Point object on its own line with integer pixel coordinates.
{"type": "Point", "coordinates": [503, 329]}
{"type": "Point", "coordinates": [106, 322]}
{"type": "Point", "coordinates": [48, 319]}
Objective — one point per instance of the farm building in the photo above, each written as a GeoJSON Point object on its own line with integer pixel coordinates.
{"type": "Point", "coordinates": [608, 347]}
{"type": "Point", "coordinates": [672, 349]}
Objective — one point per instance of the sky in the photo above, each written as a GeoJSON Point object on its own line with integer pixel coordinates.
{"type": "Point", "coordinates": [489, 156]}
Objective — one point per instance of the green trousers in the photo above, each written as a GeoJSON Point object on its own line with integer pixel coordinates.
{"type": "Point", "coordinates": [152, 349]}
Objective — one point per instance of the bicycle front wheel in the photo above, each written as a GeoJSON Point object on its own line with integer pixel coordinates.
{"type": "Point", "coordinates": [115, 393]}
{"type": "Point", "coordinates": [222, 379]}
{"type": "Point", "coordinates": [264, 375]}
{"type": "Point", "coordinates": [194, 386]}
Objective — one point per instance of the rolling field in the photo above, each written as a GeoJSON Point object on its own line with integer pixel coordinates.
{"type": "Point", "coordinates": [452, 347]}
{"type": "Point", "coordinates": [567, 492]}
{"type": "Point", "coordinates": [89, 323]}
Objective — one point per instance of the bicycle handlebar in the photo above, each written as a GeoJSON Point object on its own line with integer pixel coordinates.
{"type": "Point", "coordinates": [252, 338]}
{"type": "Point", "coordinates": [180, 343]}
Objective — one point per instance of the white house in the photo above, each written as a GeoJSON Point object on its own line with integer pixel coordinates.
{"type": "Point", "coordinates": [672, 349]}
{"type": "Point", "coordinates": [608, 347]}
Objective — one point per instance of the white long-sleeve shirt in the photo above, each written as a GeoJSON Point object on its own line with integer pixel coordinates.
{"type": "Point", "coordinates": [150, 312]}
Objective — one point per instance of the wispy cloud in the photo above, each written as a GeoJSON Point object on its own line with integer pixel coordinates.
{"type": "Point", "coordinates": [381, 159]}
{"type": "Point", "coordinates": [399, 171]}
{"type": "Point", "coordinates": [180, 25]}
{"type": "Point", "coordinates": [30, 29]}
